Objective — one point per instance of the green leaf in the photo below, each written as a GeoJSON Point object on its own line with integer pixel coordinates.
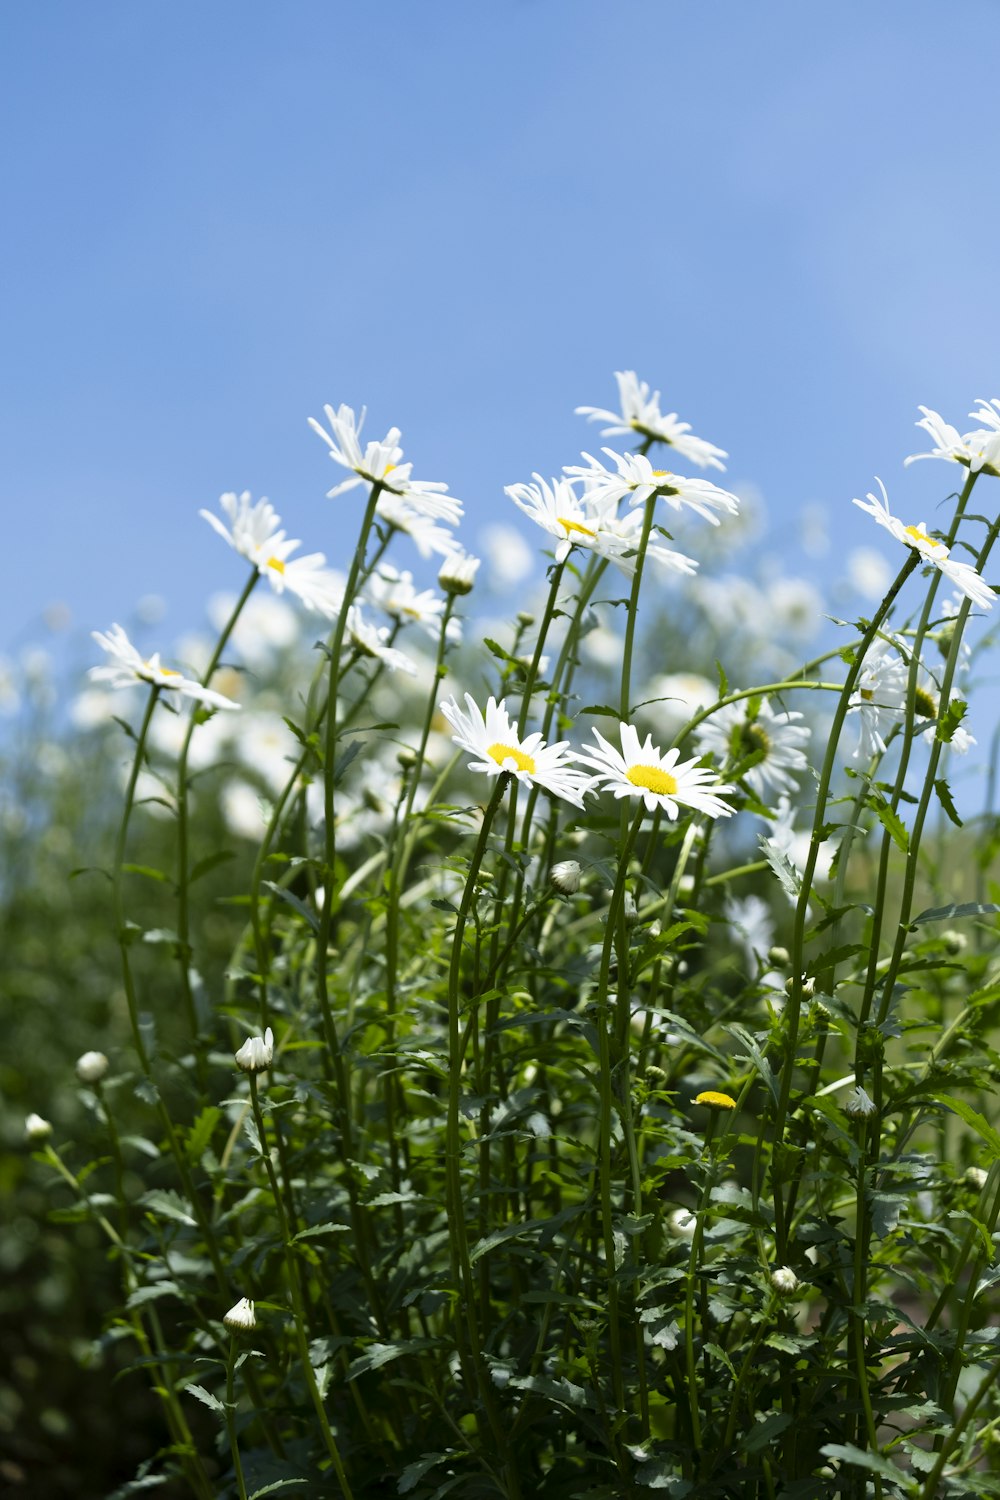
{"type": "Point", "coordinates": [873, 1462]}
{"type": "Point", "coordinates": [956, 912]}
{"type": "Point", "coordinates": [421, 1466]}
{"type": "Point", "coordinates": [891, 822]}
{"type": "Point", "coordinates": [782, 866]}
{"type": "Point", "coordinates": [200, 1134]}
{"type": "Point", "coordinates": [723, 679]}
{"type": "Point", "coordinates": [275, 1486]}
{"type": "Point", "coordinates": [206, 1397]}
{"type": "Point", "coordinates": [944, 797]}
{"type": "Point", "coordinates": [290, 899]}
{"type": "Point", "coordinates": [152, 1293]}
{"type": "Point", "coordinates": [763, 1433]}
{"type": "Point", "coordinates": [164, 1203]}
{"type": "Point", "coordinates": [603, 710]}
{"type": "Point", "coordinates": [377, 1355]}
{"type": "Point", "coordinates": [950, 720]}
{"type": "Point", "coordinates": [508, 1232]}
{"type": "Point", "coordinates": [202, 868]}
{"type": "Point", "coordinates": [980, 1125]}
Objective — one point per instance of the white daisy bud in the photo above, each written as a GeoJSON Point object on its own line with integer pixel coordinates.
{"type": "Point", "coordinates": [953, 941]}
{"type": "Point", "coordinates": [976, 1178]}
{"type": "Point", "coordinates": [779, 958]}
{"type": "Point", "coordinates": [860, 1104]}
{"type": "Point", "coordinates": [241, 1317]}
{"type": "Point", "coordinates": [457, 573]}
{"type": "Point", "coordinates": [682, 1223]}
{"type": "Point", "coordinates": [565, 876]}
{"type": "Point", "coordinates": [631, 910]}
{"type": "Point", "coordinates": [255, 1056]}
{"type": "Point", "coordinates": [784, 1281]}
{"type": "Point", "coordinates": [36, 1130]}
{"type": "Point", "coordinates": [91, 1067]}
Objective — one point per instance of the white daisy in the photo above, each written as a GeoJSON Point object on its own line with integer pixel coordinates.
{"type": "Point", "coordinates": [558, 510]}
{"type": "Point", "coordinates": [395, 594]}
{"type": "Point", "coordinates": [644, 771]}
{"type": "Point", "coordinates": [751, 918]}
{"type": "Point", "coordinates": [635, 478]}
{"type": "Point", "coordinates": [879, 698]}
{"type": "Point", "coordinates": [373, 641]}
{"type": "Point", "coordinates": [775, 738]}
{"type": "Point", "coordinates": [428, 537]}
{"type": "Point", "coordinates": [256, 535]}
{"type": "Point", "coordinates": [928, 706]}
{"type": "Point", "coordinates": [495, 741]}
{"type": "Point", "coordinates": [962, 575]}
{"type": "Point", "coordinates": [382, 463]}
{"type": "Point", "coordinates": [640, 412]}
{"type": "Point", "coordinates": [128, 667]}
{"type": "Point", "coordinates": [978, 451]}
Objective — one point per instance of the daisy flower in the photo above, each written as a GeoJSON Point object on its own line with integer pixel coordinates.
{"type": "Point", "coordinates": [879, 698]}
{"type": "Point", "coordinates": [776, 738]}
{"type": "Point", "coordinates": [381, 463]}
{"type": "Point", "coordinates": [978, 451]}
{"type": "Point", "coordinates": [254, 532]}
{"type": "Point", "coordinates": [498, 747]}
{"type": "Point", "coordinates": [558, 510]}
{"type": "Point", "coordinates": [128, 667]}
{"type": "Point", "coordinates": [644, 771]}
{"type": "Point", "coordinates": [427, 536]}
{"type": "Point", "coordinates": [395, 594]}
{"type": "Point", "coordinates": [962, 575]}
{"type": "Point", "coordinates": [635, 479]}
{"type": "Point", "coordinates": [640, 412]}
{"type": "Point", "coordinates": [928, 706]}
{"type": "Point", "coordinates": [373, 641]}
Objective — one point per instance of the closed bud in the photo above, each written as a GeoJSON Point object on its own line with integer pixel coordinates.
{"type": "Point", "coordinates": [860, 1104]}
{"type": "Point", "coordinates": [241, 1317]}
{"type": "Point", "coordinates": [255, 1055]}
{"type": "Point", "coordinates": [565, 876]}
{"type": "Point", "coordinates": [779, 957]}
{"type": "Point", "coordinates": [784, 1281]}
{"type": "Point", "coordinates": [36, 1130]}
{"type": "Point", "coordinates": [631, 910]}
{"type": "Point", "coordinates": [457, 573]}
{"type": "Point", "coordinates": [91, 1067]}
{"type": "Point", "coordinates": [976, 1178]}
{"type": "Point", "coordinates": [683, 1223]}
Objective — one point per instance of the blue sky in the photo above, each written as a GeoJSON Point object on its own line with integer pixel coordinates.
{"type": "Point", "coordinates": [221, 216]}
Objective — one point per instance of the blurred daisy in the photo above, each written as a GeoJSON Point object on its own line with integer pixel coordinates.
{"type": "Point", "coordinates": [254, 532]}
{"type": "Point", "coordinates": [635, 479]}
{"type": "Point", "coordinates": [978, 451]}
{"type": "Point", "coordinates": [928, 706]}
{"type": "Point", "coordinates": [962, 575]}
{"type": "Point", "coordinates": [128, 667]}
{"type": "Point", "coordinates": [776, 739]}
{"type": "Point", "coordinates": [750, 918]}
{"type": "Point", "coordinates": [576, 522]}
{"type": "Point", "coordinates": [879, 698]}
{"type": "Point", "coordinates": [640, 412]}
{"type": "Point", "coordinates": [644, 771]}
{"type": "Point", "coordinates": [373, 641]}
{"type": "Point", "coordinates": [395, 594]}
{"type": "Point", "coordinates": [498, 747]}
{"type": "Point", "coordinates": [428, 537]}
{"type": "Point", "coordinates": [381, 463]}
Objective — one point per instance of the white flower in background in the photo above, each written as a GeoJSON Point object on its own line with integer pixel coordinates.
{"type": "Point", "coordinates": [494, 740]}
{"type": "Point", "coordinates": [457, 574]}
{"type": "Point", "coordinates": [257, 1053]}
{"type": "Point", "coordinates": [868, 572]}
{"type": "Point", "coordinates": [427, 536]}
{"type": "Point", "coordinates": [750, 916]}
{"type": "Point", "coordinates": [978, 451]}
{"type": "Point", "coordinates": [265, 745]}
{"type": "Point", "coordinates": [168, 732]}
{"type": "Point", "coordinates": [508, 557]}
{"type": "Point", "coordinates": [558, 510]}
{"type": "Point", "coordinates": [91, 1067]}
{"type": "Point", "coordinates": [241, 1318]}
{"type": "Point", "coordinates": [928, 706]}
{"type": "Point", "coordinates": [962, 575]}
{"type": "Point", "coordinates": [381, 462]}
{"type": "Point", "coordinates": [879, 698]}
{"type": "Point", "coordinates": [677, 697]}
{"type": "Point", "coordinates": [860, 1104]}
{"type": "Point", "coordinates": [644, 771]}
{"type": "Point", "coordinates": [775, 737]}
{"type": "Point", "coordinates": [395, 594]}
{"type": "Point", "coordinates": [36, 1129]}
{"type": "Point", "coordinates": [128, 667]}
{"type": "Point", "coordinates": [640, 412]}
{"type": "Point", "coordinates": [373, 641]}
{"type": "Point", "coordinates": [635, 479]}
{"type": "Point", "coordinates": [244, 811]}
{"type": "Point", "coordinates": [267, 625]}
{"type": "Point", "coordinates": [254, 532]}
{"type": "Point", "coordinates": [683, 1223]}
{"type": "Point", "coordinates": [565, 876]}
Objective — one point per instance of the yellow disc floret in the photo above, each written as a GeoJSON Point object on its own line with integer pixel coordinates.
{"type": "Point", "coordinates": [276, 564]}
{"type": "Point", "coordinates": [500, 753]}
{"type": "Point", "coordinates": [569, 526]}
{"type": "Point", "coordinates": [653, 780]}
{"type": "Point", "coordinates": [715, 1100]}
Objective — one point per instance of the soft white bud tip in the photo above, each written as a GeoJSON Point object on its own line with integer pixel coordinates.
{"type": "Point", "coordinates": [91, 1067]}
{"type": "Point", "coordinates": [256, 1053]}
{"type": "Point", "coordinates": [241, 1317]}
{"type": "Point", "coordinates": [784, 1281]}
{"type": "Point", "coordinates": [565, 876]}
{"type": "Point", "coordinates": [36, 1129]}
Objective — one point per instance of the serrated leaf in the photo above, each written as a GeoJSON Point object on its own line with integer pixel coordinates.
{"type": "Point", "coordinates": [944, 797]}
{"type": "Point", "coordinates": [950, 720]}
{"type": "Point", "coordinates": [275, 1486]}
{"type": "Point", "coordinates": [980, 1125]}
{"type": "Point", "coordinates": [421, 1466]}
{"type": "Point", "coordinates": [206, 1397]}
{"type": "Point", "coordinates": [763, 1433]}
{"type": "Point", "coordinates": [290, 899]}
{"type": "Point", "coordinates": [788, 875]}
{"type": "Point", "coordinates": [956, 912]}
{"type": "Point", "coordinates": [165, 1203]}
{"type": "Point", "coordinates": [891, 822]}
{"type": "Point", "coordinates": [377, 1355]}
{"type": "Point", "coordinates": [864, 1459]}
{"type": "Point", "coordinates": [603, 710]}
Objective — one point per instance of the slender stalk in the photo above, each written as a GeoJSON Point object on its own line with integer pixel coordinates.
{"type": "Point", "coordinates": [234, 1446]}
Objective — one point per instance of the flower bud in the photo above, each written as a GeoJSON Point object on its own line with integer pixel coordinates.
{"type": "Point", "coordinates": [780, 958]}
{"type": "Point", "coordinates": [36, 1130]}
{"type": "Point", "coordinates": [860, 1104]}
{"type": "Point", "coordinates": [565, 876]}
{"type": "Point", "coordinates": [253, 1057]}
{"type": "Point", "coordinates": [631, 910]}
{"type": "Point", "coordinates": [241, 1317]}
{"type": "Point", "coordinates": [976, 1178]}
{"type": "Point", "coordinates": [91, 1067]}
{"type": "Point", "coordinates": [682, 1223]}
{"type": "Point", "coordinates": [784, 1281]}
{"type": "Point", "coordinates": [953, 941]}
{"type": "Point", "coordinates": [457, 573]}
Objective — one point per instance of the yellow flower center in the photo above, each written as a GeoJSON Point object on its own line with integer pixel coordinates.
{"type": "Point", "coordinates": [163, 671]}
{"type": "Point", "coordinates": [925, 704]}
{"type": "Point", "coordinates": [920, 538]}
{"type": "Point", "coordinates": [662, 473]}
{"type": "Point", "coordinates": [715, 1100]}
{"type": "Point", "coordinates": [574, 526]}
{"type": "Point", "coordinates": [276, 564]}
{"type": "Point", "coordinates": [500, 753]}
{"type": "Point", "coordinates": [868, 694]}
{"type": "Point", "coordinates": [653, 779]}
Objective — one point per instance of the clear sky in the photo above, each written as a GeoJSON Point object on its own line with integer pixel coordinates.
{"type": "Point", "coordinates": [219, 216]}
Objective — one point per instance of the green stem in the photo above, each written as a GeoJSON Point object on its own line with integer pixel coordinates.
{"type": "Point", "coordinates": [234, 1446]}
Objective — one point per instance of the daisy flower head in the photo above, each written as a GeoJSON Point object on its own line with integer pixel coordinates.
{"type": "Point", "coordinates": [978, 451]}
{"type": "Point", "coordinates": [634, 478]}
{"type": "Point", "coordinates": [254, 532]}
{"type": "Point", "coordinates": [642, 770]}
{"type": "Point", "coordinates": [381, 463]}
{"type": "Point", "coordinates": [373, 641]}
{"type": "Point", "coordinates": [396, 594]}
{"type": "Point", "coordinates": [127, 667]}
{"type": "Point", "coordinates": [400, 514]}
{"type": "Point", "coordinates": [772, 740]}
{"type": "Point", "coordinates": [498, 747]}
{"type": "Point", "coordinates": [879, 697]}
{"type": "Point", "coordinates": [640, 413]}
{"type": "Point", "coordinates": [962, 575]}
{"type": "Point", "coordinates": [576, 522]}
